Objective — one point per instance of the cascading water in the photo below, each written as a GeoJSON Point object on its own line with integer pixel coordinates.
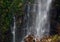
{"type": "Point", "coordinates": [42, 18]}
{"type": "Point", "coordinates": [40, 26]}
{"type": "Point", "coordinates": [13, 29]}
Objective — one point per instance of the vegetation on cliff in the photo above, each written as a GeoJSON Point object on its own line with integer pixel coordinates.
{"type": "Point", "coordinates": [10, 8]}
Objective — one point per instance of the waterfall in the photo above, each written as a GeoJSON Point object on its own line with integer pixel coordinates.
{"type": "Point", "coordinates": [41, 25]}
{"type": "Point", "coordinates": [42, 19]}
{"type": "Point", "coordinates": [38, 25]}
{"type": "Point", "coordinates": [13, 29]}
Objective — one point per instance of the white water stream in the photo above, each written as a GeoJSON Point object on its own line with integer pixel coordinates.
{"type": "Point", "coordinates": [42, 19]}
{"type": "Point", "coordinates": [41, 24]}
{"type": "Point", "coordinates": [13, 29]}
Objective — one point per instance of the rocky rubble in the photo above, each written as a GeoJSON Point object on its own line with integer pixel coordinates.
{"type": "Point", "coordinates": [31, 38]}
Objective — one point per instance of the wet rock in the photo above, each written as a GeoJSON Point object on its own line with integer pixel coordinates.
{"type": "Point", "coordinates": [29, 38]}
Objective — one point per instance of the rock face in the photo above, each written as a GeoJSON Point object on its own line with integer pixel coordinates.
{"type": "Point", "coordinates": [58, 29]}
{"type": "Point", "coordinates": [29, 38]}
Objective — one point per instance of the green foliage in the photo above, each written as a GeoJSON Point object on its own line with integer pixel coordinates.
{"type": "Point", "coordinates": [56, 38]}
{"type": "Point", "coordinates": [8, 8]}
